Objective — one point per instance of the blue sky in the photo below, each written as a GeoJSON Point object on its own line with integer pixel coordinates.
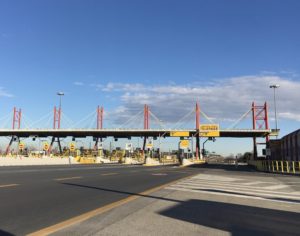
{"type": "Point", "coordinates": [120, 54]}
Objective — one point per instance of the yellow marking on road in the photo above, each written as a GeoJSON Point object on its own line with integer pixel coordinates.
{"type": "Point", "coordinates": [8, 185]}
{"type": "Point", "coordinates": [101, 210]}
{"type": "Point", "coordinates": [109, 174]}
{"type": "Point", "coordinates": [67, 178]}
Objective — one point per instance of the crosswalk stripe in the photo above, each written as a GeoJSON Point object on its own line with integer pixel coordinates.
{"type": "Point", "coordinates": [255, 183]}
{"type": "Point", "coordinates": [231, 185]}
{"type": "Point", "coordinates": [229, 194]}
{"type": "Point", "coordinates": [238, 187]}
{"type": "Point", "coordinates": [239, 190]}
{"type": "Point", "coordinates": [275, 187]}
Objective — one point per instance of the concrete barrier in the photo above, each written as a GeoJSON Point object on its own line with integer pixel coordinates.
{"type": "Point", "coordinates": [28, 161]}
{"type": "Point", "coordinates": [151, 162]}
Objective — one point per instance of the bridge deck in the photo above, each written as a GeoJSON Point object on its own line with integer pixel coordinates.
{"type": "Point", "coordinates": [123, 133]}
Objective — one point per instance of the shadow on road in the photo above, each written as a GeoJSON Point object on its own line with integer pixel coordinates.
{"type": "Point", "coordinates": [239, 168]}
{"type": "Point", "coordinates": [4, 233]}
{"type": "Point", "coordinates": [121, 192]}
{"type": "Point", "coordinates": [236, 219]}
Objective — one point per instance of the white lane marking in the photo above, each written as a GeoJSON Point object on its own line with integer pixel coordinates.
{"type": "Point", "coordinates": [8, 185]}
{"type": "Point", "coordinates": [106, 174]}
{"type": "Point", "coordinates": [229, 194]}
{"type": "Point", "coordinates": [233, 187]}
{"type": "Point", "coordinates": [237, 191]}
{"type": "Point", "coordinates": [255, 182]}
{"type": "Point", "coordinates": [67, 178]}
{"type": "Point", "coordinates": [214, 177]}
{"type": "Point", "coordinates": [159, 174]}
{"type": "Point", "coordinates": [275, 187]}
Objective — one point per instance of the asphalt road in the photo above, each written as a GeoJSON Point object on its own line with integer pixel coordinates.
{"type": "Point", "coordinates": [32, 198]}
{"type": "Point", "coordinates": [219, 199]}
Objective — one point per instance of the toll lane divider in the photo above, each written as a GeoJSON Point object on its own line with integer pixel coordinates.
{"type": "Point", "coordinates": [277, 166]}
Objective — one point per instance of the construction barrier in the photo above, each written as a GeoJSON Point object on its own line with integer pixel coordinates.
{"type": "Point", "coordinates": [284, 167]}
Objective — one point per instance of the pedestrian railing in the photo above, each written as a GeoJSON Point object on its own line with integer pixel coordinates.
{"type": "Point", "coordinates": [287, 167]}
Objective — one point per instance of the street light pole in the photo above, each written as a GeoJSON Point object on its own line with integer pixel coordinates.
{"type": "Point", "coordinates": [60, 94]}
{"type": "Point", "coordinates": [274, 87]}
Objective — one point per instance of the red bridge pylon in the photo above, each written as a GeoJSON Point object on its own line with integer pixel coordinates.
{"type": "Point", "coordinates": [259, 121]}
{"type": "Point", "coordinates": [56, 125]}
{"type": "Point", "coordinates": [16, 124]}
{"type": "Point", "coordinates": [99, 125]}
{"type": "Point", "coordinates": [146, 124]}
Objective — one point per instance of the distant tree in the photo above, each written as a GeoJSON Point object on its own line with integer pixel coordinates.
{"type": "Point", "coordinates": [247, 156]}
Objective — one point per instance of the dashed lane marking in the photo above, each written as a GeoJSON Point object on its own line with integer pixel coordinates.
{"type": "Point", "coordinates": [8, 185]}
{"type": "Point", "coordinates": [106, 174]}
{"type": "Point", "coordinates": [68, 178]}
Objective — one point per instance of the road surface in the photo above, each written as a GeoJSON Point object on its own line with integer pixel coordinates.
{"type": "Point", "coordinates": [214, 200]}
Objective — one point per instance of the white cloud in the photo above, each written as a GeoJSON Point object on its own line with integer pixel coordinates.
{"type": "Point", "coordinates": [223, 100]}
{"type": "Point", "coordinates": [3, 93]}
{"type": "Point", "coordinates": [78, 83]}
{"type": "Point", "coordinates": [117, 87]}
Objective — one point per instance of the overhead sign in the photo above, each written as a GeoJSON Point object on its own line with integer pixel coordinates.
{"type": "Point", "coordinates": [209, 130]}
{"type": "Point", "coordinates": [21, 146]}
{"type": "Point", "coordinates": [179, 134]}
{"type": "Point", "coordinates": [184, 144]}
{"type": "Point", "coordinates": [46, 146]}
{"type": "Point", "coordinates": [72, 147]}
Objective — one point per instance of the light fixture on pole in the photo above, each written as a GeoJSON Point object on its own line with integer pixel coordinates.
{"type": "Point", "coordinates": [60, 94]}
{"type": "Point", "coordinates": [274, 87]}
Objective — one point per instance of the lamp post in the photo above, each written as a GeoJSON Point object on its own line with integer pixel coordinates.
{"type": "Point", "coordinates": [60, 94]}
{"type": "Point", "coordinates": [274, 87]}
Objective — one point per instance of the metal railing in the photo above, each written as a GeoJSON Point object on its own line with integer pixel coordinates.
{"type": "Point", "coordinates": [275, 166]}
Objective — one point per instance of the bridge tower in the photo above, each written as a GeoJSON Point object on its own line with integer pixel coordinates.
{"type": "Point", "coordinates": [56, 125]}
{"type": "Point", "coordinates": [146, 124]}
{"type": "Point", "coordinates": [16, 124]}
{"type": "Point", "coordinates": [198, 131]}
{"type": "Point", "coordinates": [99, 125]}
{"type": "Point", "coordinates": [57, 118]}
{"type": "Point", "coordinates": [259, 121]}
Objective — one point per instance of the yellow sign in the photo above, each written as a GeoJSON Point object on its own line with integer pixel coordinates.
{"type": "Point", "coordinates": [184, 144]}
{"type": "Point", "coordinates": [179, 134]}
{"type": "Point", "coordinates": [209, 130]}
{"type": "Point", "coordinates": [21, 146]}
{"type": "Point", "coordinates": [72, 147]}
{"type": "Point", "coordinates": [149, 144]}
{"type": "Point", "coordinates": [46, 146]}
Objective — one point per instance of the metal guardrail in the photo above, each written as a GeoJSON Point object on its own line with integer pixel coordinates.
{"type": "Point", "coordinates": [284, 167]}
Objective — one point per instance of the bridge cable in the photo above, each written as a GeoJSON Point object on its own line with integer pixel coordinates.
{"type": "Point", "coordinates": [42, 118]}
{"type": "Point", "coordinates": [206, 117]}
{"type": "Point", "coordinates": [130, 119]}
{"type": "Point", "coordinates": [84, 119]}
{"type": "Point", "coordinates": [159, 122]}
{"type": "Point", "coordinates": [239, 120]}
{"type": "Point", "coordinates": [175, 126]}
